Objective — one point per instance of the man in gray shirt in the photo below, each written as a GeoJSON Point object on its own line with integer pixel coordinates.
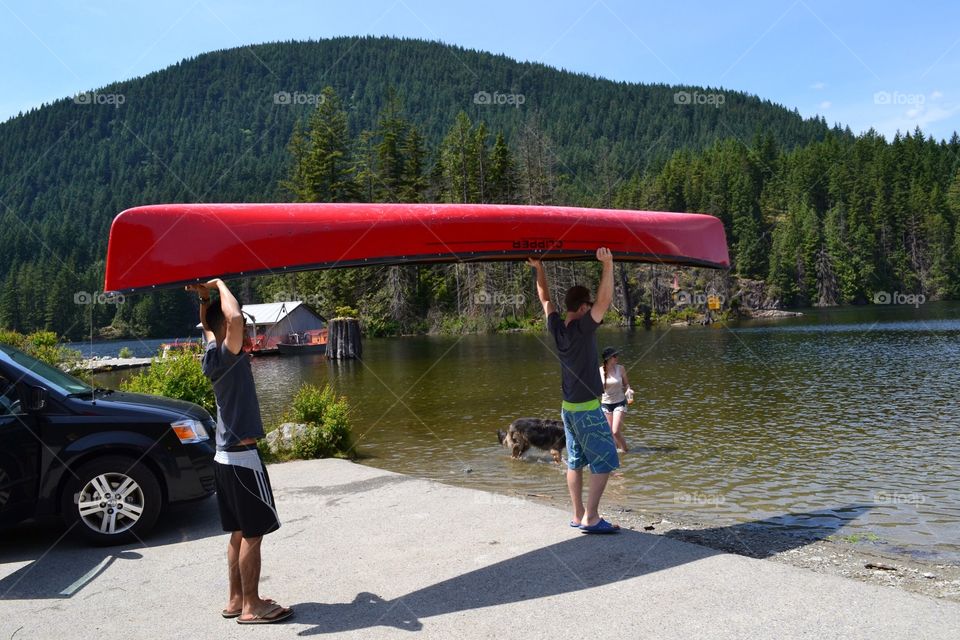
{"type": "Point", "coordinates": [244, 496]}
{"type": "Point", "coordinates": [589, 440]}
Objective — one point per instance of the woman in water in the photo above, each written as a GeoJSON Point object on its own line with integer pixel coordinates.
{"type": "Point", "coordinates": [616, 394]}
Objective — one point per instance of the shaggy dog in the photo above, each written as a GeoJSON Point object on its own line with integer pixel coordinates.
{"type": "Point", "coordinates": [537, 432]}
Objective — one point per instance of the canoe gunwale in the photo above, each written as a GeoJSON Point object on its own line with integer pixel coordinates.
{"type": "Point", "coordinates": [441, 258]}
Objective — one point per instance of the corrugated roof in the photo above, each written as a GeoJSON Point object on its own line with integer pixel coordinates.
{"type": "Point", "coordinates": [269, 312]}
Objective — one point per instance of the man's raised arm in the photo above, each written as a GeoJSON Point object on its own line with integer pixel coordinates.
{"type": "Point", "coordinates": [543, 291]}
{"type": "Point", "coordinates": [605, 289]}
{"type": "Point", "coordinates": [232, 315]}
{"type": "Point", "coordinates": [203, 293]}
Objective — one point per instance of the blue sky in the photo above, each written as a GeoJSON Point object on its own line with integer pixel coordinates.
{"type": "Point", "coordinates": [864, 64]}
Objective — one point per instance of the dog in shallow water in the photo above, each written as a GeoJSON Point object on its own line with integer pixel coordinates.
{"type": "Point", "coordinates": [524, 433]}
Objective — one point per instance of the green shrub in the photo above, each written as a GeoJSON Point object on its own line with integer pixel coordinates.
{"type": "Point", "coordinates": [328, 425]}
{"type": "Point", "coordinates": [43, 345]}
{"type": "Point", "coordinates": [379, 327]}
{"type": "Point", "coordinates": [268, 456]}
{"type": "Point", "coordinates": [346, 312]}
{"type": "Point", "coordinates": [612, 318]}
{"type": "Point", "coordinates": [513, 323]}
{"type": "Point", "coordinates": [693, 315]}
{"type": "Point", "coordinates": [180, 376]}
{"type": "Point", "coordinates": [125, 352]}
{"type": "Point", "coordinates": [456, 325]}
{"type": "Point", "coordinates": [679, 314]}
{"type": "Point", "coordinates": [12, 338]}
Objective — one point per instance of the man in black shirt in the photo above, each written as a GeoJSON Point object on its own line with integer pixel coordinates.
{"type": "Point", "coordinates": [589, 441]}
{"type": "Point", "coordinates": [244, 496]}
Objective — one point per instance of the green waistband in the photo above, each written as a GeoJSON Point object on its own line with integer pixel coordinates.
{"type": "Point", "coordinates": [589, 405]}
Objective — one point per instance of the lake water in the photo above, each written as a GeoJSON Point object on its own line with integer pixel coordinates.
{"type": "Point", "coordinates": [851, 414]}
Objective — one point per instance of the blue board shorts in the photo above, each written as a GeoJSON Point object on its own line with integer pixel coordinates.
{"type": "Point", "coordinates": [589, 440]}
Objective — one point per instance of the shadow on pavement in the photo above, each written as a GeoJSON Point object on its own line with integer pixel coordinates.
{"type": "Point", "coordinates": [770, 536]}
{"type": "Point", "coordinates": [583, 562]}
{"type": "Point", "coordinates": [61, 564]}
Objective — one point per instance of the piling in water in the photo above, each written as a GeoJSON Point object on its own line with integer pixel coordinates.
{"type": "Point", "coordinates": [343, 339]}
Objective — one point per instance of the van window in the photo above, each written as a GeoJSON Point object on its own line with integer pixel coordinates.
{"type": "Point", "coordinates": [9, 398]}
{"type": "Point", "coordinates": [62, 381]}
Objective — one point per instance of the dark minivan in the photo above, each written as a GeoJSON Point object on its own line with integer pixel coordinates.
{"type": "Point", "coordinates": [106, 462]}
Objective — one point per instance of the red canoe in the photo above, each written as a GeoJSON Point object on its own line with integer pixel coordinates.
{"type": "Point", "coordinates": [168, 245]}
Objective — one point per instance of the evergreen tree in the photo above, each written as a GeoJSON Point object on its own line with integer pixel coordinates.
{"type": "Point", "coordinates": [480, 160]}
{"type": "Point", "coordinates": [537, 163]}
{"type": "Point", "coordinates": [330, 171]}
{"type": "Point", "coordinates": [413, 181]}
{"type": "Point", "coordinates": [392, 133]}
{"type": "Point", "coordinates": [10, 304]}
{"type": "Point", "coordinates": [365, 168]}
{"type": "Point", "coordinates": [299, 182]}
{"type": "Point", "coordinates": [502, 182]}
{"type": "Point", "coordinates": [457, 158]}
{"type": "Point", "coordinates": [827, 287]}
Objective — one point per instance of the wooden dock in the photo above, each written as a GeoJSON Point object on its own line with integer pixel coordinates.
{"type": "Point", "coordinates": [99, 365]}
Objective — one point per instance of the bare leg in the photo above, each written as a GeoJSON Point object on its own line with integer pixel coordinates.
{"type": "Point", "coordinates": [575, 485]}
{"type": "Point", "coordinates": [616, 427]}
{"type": "Point", "coordinates": [598, 482]}
{"type": "Point", "coordinates": [235, 601]}
{"type": "Point", "coordinates": [250, 578]}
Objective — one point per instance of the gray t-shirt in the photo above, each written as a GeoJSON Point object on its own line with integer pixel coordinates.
{"type": "Point", "coordinates": [577, 348]}
{"type": "Point", "coordinates": [238, 410]}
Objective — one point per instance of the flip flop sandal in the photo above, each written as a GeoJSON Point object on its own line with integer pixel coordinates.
{"type": "Point", "coordinates": [276, 614]}
{"type": "Point", "coordinates": [229, 615]}
{"type": "Point", "coordinates": [575, 524]}
{"type": "Point", "coordinates": [601, 527]}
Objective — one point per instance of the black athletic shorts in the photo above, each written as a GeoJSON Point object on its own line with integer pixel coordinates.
{"type": "Point", "coordinates": [244, 495]}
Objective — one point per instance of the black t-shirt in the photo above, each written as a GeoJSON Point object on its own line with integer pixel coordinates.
{"type": "Point", "coordinates": [577, 348]}
{"type": "Point", "coordinates": [238, 410]}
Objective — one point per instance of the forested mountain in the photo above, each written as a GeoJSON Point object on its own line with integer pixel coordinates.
{"type": "Point", "coordinates": [842, 220]}
{"type": "Point", "coordinates": [420, 121]}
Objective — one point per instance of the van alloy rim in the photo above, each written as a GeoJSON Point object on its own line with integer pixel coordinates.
{"type": "Point", "coordinates": [110, 503]}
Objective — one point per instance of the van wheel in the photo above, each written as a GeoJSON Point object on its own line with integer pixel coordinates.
{"type": "Point", "coordinates": [112, 500]}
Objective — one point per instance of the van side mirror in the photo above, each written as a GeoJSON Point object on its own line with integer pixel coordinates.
{"type": "Point", "coordinates": [37, 399]}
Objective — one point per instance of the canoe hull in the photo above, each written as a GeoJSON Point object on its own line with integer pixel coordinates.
{"type": "Point", "coordinates": [160, 246]}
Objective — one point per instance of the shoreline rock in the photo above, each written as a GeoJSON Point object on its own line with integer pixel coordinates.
{"type": "Point", "coordinates": [281, 439]}
{"type": "Point", "coordinates": [769, 313]}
